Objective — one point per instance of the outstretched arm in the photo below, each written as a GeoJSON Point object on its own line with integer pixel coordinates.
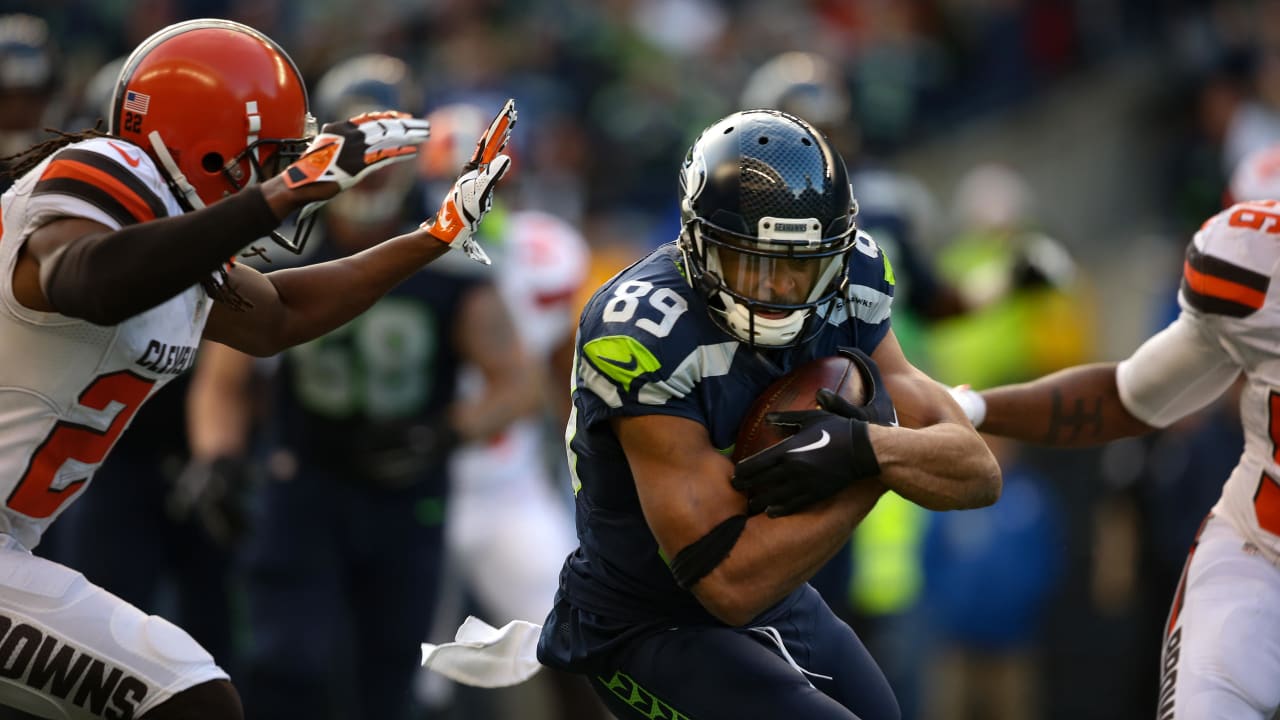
{"type": "Point", "coordinates": [684, 490]}
{"type": "Point", "coordinates": [82, 268]}
{"type": "Point", "coordinates": [292, 306]}
{"type": "Point", "coordinates": [1173, 374]}
{"type": "Point", "coordinates": [1075, 407]}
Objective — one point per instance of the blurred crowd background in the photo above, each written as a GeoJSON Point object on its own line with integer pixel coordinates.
{"type": "Point", "coordinates": [1045, 163]}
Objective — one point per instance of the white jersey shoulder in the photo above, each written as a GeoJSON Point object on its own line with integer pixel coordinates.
{"type": "Point", "coordinates": [545, 267]}
{"type": "Point", "coordinates": [1245, 234]}
{"type": "Point", "coordinates": [1227, 278]}
{"type": "Point", "coordinates": [68, 388]}
{"type": "Point", "coordinates": [1230, 296]}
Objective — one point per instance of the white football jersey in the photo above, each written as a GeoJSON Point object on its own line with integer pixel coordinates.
{"type": "Point", "coordinates": [541, 264]}
{"type": "Point", "coordinates": [545, 264]}
{"type": "Point", "coordinates": [1227, 290]}
{"type": "Point", "coordinates": [68, 388]}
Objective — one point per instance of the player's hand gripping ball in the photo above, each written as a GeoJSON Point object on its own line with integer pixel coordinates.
{"type": "Point", "coordinates": [797, 390]}
{"type": "Point", "coordinates": [806, 438]}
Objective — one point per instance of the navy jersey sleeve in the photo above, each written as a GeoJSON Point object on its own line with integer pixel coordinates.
{"type": "Point", "coordinates": [644, 346]}
{"type": "Point", "coordinates": [869, 299]}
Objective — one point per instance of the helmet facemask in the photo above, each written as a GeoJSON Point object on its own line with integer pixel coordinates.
{"type": "Point", "coordinates": [265, 158]}
{"type": "Point", "coordinates": [774, 289]}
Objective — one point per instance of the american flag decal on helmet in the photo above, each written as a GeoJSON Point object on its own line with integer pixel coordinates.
{"type": "Point", "coordinates": [136, 102]}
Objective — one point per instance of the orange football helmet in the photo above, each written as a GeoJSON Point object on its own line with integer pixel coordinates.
{"type": "Point", "coordinates": [218, 106]}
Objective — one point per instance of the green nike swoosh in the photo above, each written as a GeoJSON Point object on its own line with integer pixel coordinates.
{"type": "Point", "coordinates": [626, 366]}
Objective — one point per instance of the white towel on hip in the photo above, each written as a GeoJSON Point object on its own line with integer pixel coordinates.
{"type": "Point", "coordinates": [484, 656]}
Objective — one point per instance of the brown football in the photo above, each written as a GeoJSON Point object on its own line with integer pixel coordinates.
{"type": "Point", "coordinates": [797, 390]}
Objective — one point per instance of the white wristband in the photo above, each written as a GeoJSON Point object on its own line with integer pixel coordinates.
{"type": "Point", "coordinates": [971, 402]}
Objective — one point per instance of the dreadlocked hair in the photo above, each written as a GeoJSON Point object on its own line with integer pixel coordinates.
{"type": "Point", "coordinates": [20, 163]}
{"type": "Point", "coordinates": [222, 290]}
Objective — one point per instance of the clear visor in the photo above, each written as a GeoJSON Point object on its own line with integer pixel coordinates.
{"type": "Point", "coordinates": [768, 279]}
{"type": "Point", "coordinates": [774, 275]}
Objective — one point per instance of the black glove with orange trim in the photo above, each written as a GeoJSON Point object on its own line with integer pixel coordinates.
{"type": "Point", "coordinates": [346, 152]}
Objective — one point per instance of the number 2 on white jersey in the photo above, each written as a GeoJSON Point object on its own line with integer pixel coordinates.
{"type": "Point", "coordinates": [35, 495]}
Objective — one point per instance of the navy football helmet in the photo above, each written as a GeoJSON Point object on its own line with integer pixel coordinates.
{"type": "Point", "coordinates": [768, 225]}
{"type": "Point", "coordinates": [360, 84]}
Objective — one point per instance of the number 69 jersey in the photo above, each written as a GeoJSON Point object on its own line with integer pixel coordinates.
{"type": "Point", "coordinates": [647, 345]}
{"type": "Point", "coordinates": [68, 388]}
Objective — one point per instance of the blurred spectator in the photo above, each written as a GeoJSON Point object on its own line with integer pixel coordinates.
{"type": "Point", "coordinates": [342, 566]}
{"type": "Point", "coordinates": [988, 574]}
{"type": "Point", "coordinates": [30, 81]}
{"type": "Point", "coordinates": [1030, 311]}
{"type": "Point", "coordinates": [93, 105]}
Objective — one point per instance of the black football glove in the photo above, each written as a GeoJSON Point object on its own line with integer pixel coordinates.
{"type": "Point", "coordinates": [828, 450]}
{"type": "Point", "coordinates": [878, 408]}
{"type": "Point", "coordinates": [826, 453]}
{"type": "Point", "coordinates": [216, 494]}
{"type": "Point", "coordinates": [347, 152]}
{"type": "Point", "coordinates": [397, 454]}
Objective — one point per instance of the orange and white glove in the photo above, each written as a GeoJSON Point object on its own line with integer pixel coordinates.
{"type": "Point", "coordinates": [347, 152]}
{"type": "Point", "coordinates": [471, 196]}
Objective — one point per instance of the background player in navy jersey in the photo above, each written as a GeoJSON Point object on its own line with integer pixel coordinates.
{"type": "Point", "coordinates": [686, 598]}
{"type": "Point", "coordinates": [342, 565]}
{"type": "Point", "coordinates": [114, 255]}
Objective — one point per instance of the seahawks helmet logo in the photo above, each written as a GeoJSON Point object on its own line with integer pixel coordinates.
{"type": "Point", "coordinates": [693, 176]}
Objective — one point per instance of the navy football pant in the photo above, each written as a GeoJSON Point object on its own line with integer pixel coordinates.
{"type": "Point", "coordinates": [709, 672]}
{"type": "Point", "coordinates": [341, 581]}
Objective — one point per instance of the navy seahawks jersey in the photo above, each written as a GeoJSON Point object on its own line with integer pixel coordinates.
{"type": "Point", "coordinates": [647, 344]}
{"type": "Point", "coordinates": [368, 391]}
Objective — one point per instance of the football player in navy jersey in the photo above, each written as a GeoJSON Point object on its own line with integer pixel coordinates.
{"type": "Point", "coordinates": [342, 564]}
{"type": "Point", "coordinates": [686, 597]}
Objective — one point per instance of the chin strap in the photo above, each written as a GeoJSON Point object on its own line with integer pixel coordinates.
{"type": "Point", "coordinates": [186, 192]}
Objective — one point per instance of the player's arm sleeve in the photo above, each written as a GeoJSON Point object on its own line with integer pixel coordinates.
{"type": "Point", "coordinates": [109, 277]}
{"type": "Point", "coordinates": [1176, 372]}
{"type": "Point", "coordinates": [872, 285]}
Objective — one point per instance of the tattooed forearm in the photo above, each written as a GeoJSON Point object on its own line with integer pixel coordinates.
{"type": "Point", "coordinates": [1066, 424]}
